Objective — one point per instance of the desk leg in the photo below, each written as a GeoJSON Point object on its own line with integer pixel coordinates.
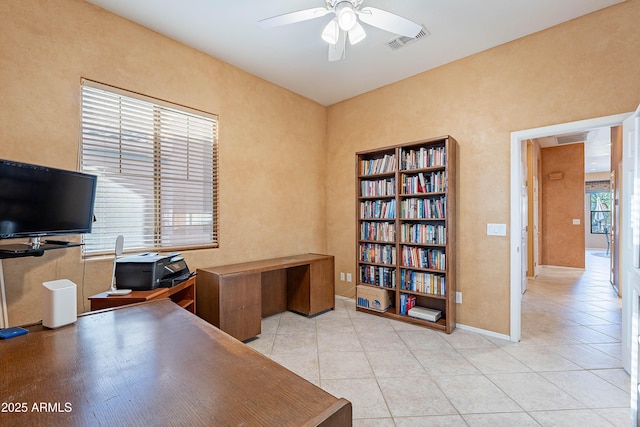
{"type": "Point", "coordinates": [298, 289]}
{"type": "Point", "coordinates": [311, 287]}
{"type": "Point", "coordinates": [323, 287]}
{"type": "Point", "coordinates": [274, 292]}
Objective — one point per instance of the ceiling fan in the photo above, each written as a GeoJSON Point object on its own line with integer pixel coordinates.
{"type": "Point", "coordinates": [345, 23]}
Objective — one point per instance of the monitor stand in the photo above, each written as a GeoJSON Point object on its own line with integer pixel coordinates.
{"type": "Point", "coordinates": [16, 248]}
{"type": "Point", "coordinates": [34, 242]}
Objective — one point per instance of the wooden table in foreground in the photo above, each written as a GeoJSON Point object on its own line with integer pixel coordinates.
{"type": "Point", "coordinates": [156, 364]}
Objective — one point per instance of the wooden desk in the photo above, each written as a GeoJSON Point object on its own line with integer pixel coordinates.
{"type": "Point", "coordinates": [235, 297]}
{"type": "Point", "coordinates": [183, 294]}
{"type": "Point", "coordinates": [153, 364]}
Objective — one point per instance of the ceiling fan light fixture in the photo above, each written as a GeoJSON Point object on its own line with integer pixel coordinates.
{"type": "Point", "coordinates": [331, 32]}
{"type": "Point", "coordinates": [346, 23]}
{"type": "Point", "coordinates": [346, 14]}
{"type": "Point", "coordinates": [357, 34]}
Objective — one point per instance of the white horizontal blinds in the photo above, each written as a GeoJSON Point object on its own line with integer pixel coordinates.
{"type": "Point", "coordinates": [156, 171]}
{"type": "Point", "coordinates": [186, 186]}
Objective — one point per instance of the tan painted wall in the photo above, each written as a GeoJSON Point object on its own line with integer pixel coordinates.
{"type": "Point", "coordinates": [581, 69]}
{"type": "Point", "coordinates": [562, 202]}
{"type": "Point", "coordinates": [272, 142]}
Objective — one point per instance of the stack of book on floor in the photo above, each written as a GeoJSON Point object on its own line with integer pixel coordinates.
{"type": "Point", "coordinates": [424, 313]}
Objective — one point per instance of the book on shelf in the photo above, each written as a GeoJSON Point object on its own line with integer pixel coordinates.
{"type": "Point", "coordinates": [407, 302]}
{"type": "Point", "coordinates": [380, 231]}
{"type": "Point", "coordinates": [381, 209]}
{"type": "Point", "coordinates": [423, 258]}
{"type": "Point", "coordinates": [424, 157]}
{"type": "Point", "coordinates": [377, 253]}
{"type": "Point", "coordinates": [423, 282]}
{"type": "Point", "coordinates": [385, 277]}
{"type": "Point", "coordinates": [423, 234]}
{"type": "Point", "coordinates": [378, 187]}
{"type": "Point", "coordinates": [385, 164]}
{"type": "Point", "coordinates": [422, 183]}
{"type": "Point", "coordinates": [429, 208]}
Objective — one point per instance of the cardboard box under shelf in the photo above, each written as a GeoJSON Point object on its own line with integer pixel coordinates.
{"type": "Point", "coordinates": [373, 298]}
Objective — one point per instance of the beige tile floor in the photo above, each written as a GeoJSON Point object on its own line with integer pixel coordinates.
{"type": "Point", "coordinates": [566, 371]}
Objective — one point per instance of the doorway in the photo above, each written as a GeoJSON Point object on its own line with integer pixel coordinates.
{"type": "Point", "coordinates": [569, 173]}
{"type": "Point", "coordinates": [518, 223]}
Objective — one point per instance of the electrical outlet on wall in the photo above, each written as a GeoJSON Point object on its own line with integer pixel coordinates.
{"type": "Point", "coordinates": [458, 297]}
{"type": "Point", "coordinates": [349, 279]}
{"type": "Point", "coordinates": [342, 276]}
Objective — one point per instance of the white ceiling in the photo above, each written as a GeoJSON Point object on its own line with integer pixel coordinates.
{"type": "Point", "coordinates": [597, 148]}
{"type": "Point", "coordinates": [295, 57]}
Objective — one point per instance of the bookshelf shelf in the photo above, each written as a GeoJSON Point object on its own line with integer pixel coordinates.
{"type": "Point", "coordinates": [405, 242]}
{"type": "Point", "coordinates": [376, 219]}
{"type": "Point", "coordinates": [434, 245]}
{"type": "Point", "coordinates": [422, 219]}
{"type": "Point", "coordinates": [374, 198]}
{"type": "Point", "coordinates": [423, 269]}
{"type": "Point", "coordinates": [431, 194]}
{"type": "Point", "coordinates": [404, 291]}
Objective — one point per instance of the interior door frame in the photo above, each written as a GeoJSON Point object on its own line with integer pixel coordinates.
{"type": "Point", "coordinates": [524, 215]}
{"type": "Point", "coordinates": [536, 225]}
{"type": "Point", "coordinates": [630, 264]}
{"type": "Point", "coordinates": [516, 267]}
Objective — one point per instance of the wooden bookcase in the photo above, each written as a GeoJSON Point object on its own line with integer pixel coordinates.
{"type": "Point", "coordinates": [405, 230]}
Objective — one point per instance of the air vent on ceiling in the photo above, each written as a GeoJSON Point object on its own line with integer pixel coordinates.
{"type": "Point", "coordinates": [570, 139]}
{"type": "Point", "coordinates": [402, 41]}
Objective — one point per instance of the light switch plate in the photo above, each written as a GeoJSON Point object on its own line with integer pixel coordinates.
{"type": "Point", "coordinates": [496, 229]}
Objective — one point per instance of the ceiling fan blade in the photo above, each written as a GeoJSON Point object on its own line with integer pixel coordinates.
{"type": "Point", "coordinates": [336, 51]}
{"type": "Point", "coordinates": [331, 32]}
{"type": "Point", "coordinates": [356, 34]}
{"type": "Point", "coordinates": [389, 22]}
{"type": "Point", "coordinates": [293, 17]}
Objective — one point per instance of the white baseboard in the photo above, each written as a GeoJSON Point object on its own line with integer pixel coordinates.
{"type": "Point", "coordinates": [560, 267]}
{"type": "Point", "coordinates": [483, 332]}
{"type": "Point", "coordinates": [461, 326]}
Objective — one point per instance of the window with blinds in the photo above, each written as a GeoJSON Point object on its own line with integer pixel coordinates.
{"type": "Point", "coordinates": [157, 171]}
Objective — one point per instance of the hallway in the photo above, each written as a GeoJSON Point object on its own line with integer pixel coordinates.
{"type": "Point", "coordinates": [571, 319]}
{"type": "Point", "coordinates": [572, 306]}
